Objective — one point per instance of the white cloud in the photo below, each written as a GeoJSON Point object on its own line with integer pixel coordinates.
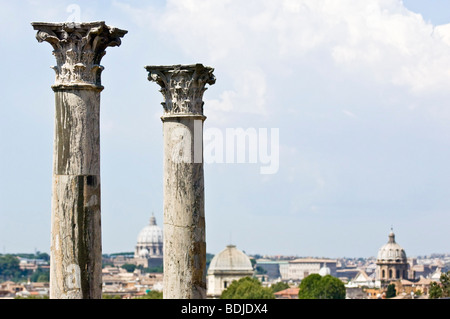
{"type": "Point", "coordinates": [381, 37]}
{"type": "Point", "coordinates": [397, 47]}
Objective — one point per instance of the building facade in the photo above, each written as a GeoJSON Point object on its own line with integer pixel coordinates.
{"type": "Point", "coordinates": [300, 268]}
{"type": "Point", "coordinates": [392, 263]}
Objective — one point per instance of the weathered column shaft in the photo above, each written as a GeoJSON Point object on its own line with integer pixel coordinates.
{"type": "Point", "coordinates": [76, 253]}
{"type": "Point", "coordinates": [184, 215]}
{"type": "Point", "coordinates": [184, 212]}
{"type": "Point", "coordinates": [76, 262]}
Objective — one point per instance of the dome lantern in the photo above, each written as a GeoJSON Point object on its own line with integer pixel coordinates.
{"type": "Point", "coordinates": [391, 251]}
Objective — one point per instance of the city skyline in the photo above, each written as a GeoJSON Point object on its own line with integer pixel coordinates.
{"type": "Point", "coordinates": [345, 103]}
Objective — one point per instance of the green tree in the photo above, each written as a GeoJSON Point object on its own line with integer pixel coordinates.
{"type": "Point", "coordinates": [315, 286]}
{"type": "Point", "coordinates": [156, 269]}
{"type": "Point", "coordinates": [43, 256]}
{"type": "Point", "coordinates": [9, 268]}
{"type": "Point", "coordinates": [33, 297]}
{"type": "Point", "coordinates": [309, 287]}
{"type": "Point", "coordinates": [445, 284]}
{"type": "Point", "coordinates": [391, 291]}
{"type": "Point", "coordinates": [331, 288]}
{"type": "Point", "coordinates": [129, 267]}
{"type": "Point", "coordinates": [247, 288]}
{"type": "Point", "coordinates": [152, 294]}
{"type": "Point", "coordinates": [260, 270]}
{"type": "Point", "coordinates": [40, 275]}
{"type": "Point", "coordinates": [435, 290]}
{"type": "Point", "coordinates": [442, 289]}
{"type": "Point", "coordinates": [279, 286]}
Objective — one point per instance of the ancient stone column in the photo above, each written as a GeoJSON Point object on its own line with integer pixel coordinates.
{"type": "Point", "coordinates": [76, 253]}
{"type": "Point", "coordinates": [184, 215]}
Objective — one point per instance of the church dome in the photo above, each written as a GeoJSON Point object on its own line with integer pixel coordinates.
{"type": "Point", "coordinates": [391, 252]}
{"type": "Point", "coordinates": [150, 234]}
{"type": "Point", "coordinates": [324, 271]}
{"type": "Point", "coordinates": [230, 259]}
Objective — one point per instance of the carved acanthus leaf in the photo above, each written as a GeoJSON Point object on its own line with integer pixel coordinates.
{"type": "Point", "coordinates": [78, 49]}
{"type": "Point", "coordinates": [182, 86]}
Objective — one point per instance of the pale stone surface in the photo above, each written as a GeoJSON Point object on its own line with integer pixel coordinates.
{"type": "Point", "coordinates": [76, 252]}
{"type": "Point", "coordinates": [77, 132]}
{"type": "Point", "coordinates": [184, 214]}
{"type": "Point", "coordinates": [76, 262]}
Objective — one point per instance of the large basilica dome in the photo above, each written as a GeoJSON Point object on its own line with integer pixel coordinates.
{"type": "Point", "coordinates": [150, 241]}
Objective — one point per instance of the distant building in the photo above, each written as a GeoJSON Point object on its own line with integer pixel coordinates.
{"type": "Point", "coordinates": [347, 273]}
{"type": "Point", "coordinates": [149, 247]}
{"type": "Point", "coordinates": [284, 269]}
{"type": "Point", "coordinates": [392, 263]}
{"type": "Point", "coordinates": [362, 279]}
{"type": "Point", "coordinates": [33, 264]}
{"type": "Point", "coordinates": [117, 281]}
{"type": "Point", "coordinates": [271, 268]}
{"type": "Point", "coordinates": [436, 275]}
{"type": "Point", "coordinates": [300, 268]}
{"type": "Point", "coordinates": [289, 293]}
{"type": "Point", "coordinates": [423, 270]}
{"type": "Point", "coordinates": [9, 289]}
{"type": "Point", "coordinates": [227, 266]}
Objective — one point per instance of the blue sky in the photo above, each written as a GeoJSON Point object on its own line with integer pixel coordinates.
{"type": "Point", "coordinates": [358, 91]}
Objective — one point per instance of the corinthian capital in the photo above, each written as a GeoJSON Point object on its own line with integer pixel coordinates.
{"type": "Point", "coordinates": [182, 87]}
{"type": "Point", "coordinates": [78, 48]}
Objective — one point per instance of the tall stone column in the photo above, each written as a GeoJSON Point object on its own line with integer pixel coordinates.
{"type": "Point", "coordinates": [76, 251]}
{"type": "Point", "coordinates": [184, 214]}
